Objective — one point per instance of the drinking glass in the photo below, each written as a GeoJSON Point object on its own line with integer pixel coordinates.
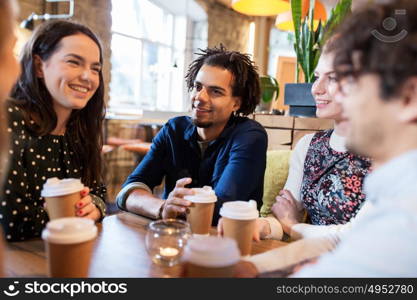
{"type": "Point", "coordinates": [166, 239]}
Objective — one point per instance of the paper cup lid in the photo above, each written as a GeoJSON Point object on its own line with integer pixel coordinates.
{"type": "Point", "coordinates": [211, 251]}
{"type": "Point", "coordinates": [69, 230]}
{"type": "Point", "coordinates": [202, 195]}
{"type": "Point", "coordinates": [239, 210]}
{"type": "Point", "coordinates": [59, 187]}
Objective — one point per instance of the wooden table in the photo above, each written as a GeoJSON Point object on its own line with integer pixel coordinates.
{"type": "Point", "coordinates": [119, 252]}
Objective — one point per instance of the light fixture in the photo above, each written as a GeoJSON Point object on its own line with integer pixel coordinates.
{"type": "Point", "coordinates": [28, 22]}
{"type": "Point", "coordinates": [260, 7]}
{"type": "Point", "coordinates": [284, 20]}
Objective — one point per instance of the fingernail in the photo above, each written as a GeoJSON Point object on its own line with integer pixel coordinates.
{"type": "Point", "coordinates": [80, 212]}
{"type": "Point", "coordinates": [80, 204]}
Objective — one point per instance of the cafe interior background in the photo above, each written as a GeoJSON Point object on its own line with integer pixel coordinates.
{"type": "Point", "coordinates": [147, 46]}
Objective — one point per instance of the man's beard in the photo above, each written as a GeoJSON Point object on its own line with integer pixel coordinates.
{"type": "Point", "coordinates": [202, 124]}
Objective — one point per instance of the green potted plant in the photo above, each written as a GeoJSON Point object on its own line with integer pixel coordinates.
{"type": "Point", "coordinates": [269, 93]}
{"type": "Point", "coordinates": [307, 46]}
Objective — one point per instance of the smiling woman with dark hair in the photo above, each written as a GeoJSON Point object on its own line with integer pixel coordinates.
{"type": "Point", "coordinates": [55, 121]}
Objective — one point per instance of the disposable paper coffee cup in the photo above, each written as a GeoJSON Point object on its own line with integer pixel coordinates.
{"type": "Point", "coordinates": [69, 245]}
{"type": "Point", "coordinates": [239, 219]}
{"type": "Point", "coordinates": [60, 196]}
{"type": "Point", "coordinates": [201, 210]}
{"type": "Point", "coordinates": [210, 256]}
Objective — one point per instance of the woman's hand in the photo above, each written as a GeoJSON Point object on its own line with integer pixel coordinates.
{"type": "Point", "coordinates": [286, 209]}
{"type": "Point", "coordinates": [262, 229]}
{"type": "Point", "coordinates": [85, 207]}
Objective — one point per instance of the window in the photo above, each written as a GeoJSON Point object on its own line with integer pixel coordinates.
{"type": "Point", "coordinates": [280, 44]}
{"type": "Point", "coordinates": [149, 57]}
{"type": "Point", "coordinates": [251, 42]}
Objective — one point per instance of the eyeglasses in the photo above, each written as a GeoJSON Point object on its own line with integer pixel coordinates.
{"type": "Point", "coordinates": [347, 82]}
{"type": "Point", "coordinates": [347, 85]}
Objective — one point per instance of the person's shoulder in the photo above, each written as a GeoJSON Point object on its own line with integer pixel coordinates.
{"type": "Point", "coordinates": [246, 124]}
{"type": "Point", "coordinates": [14, 113]}
{"type": "Point", "coordinates": [323, 134]}
{"type": "Point", "coordinates": [248, 132]}
{"type": "Point", "coordinates": [177, 126]}
{"type": "Point", "coordinates": [304, 141]}
{"type": "Point", "coordinates": [178, 123]}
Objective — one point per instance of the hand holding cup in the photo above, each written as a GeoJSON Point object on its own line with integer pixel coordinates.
{"type": "Point", "coordinates": [85, 207]}
{"type": "Point", "coordinates": [261, 229]}
{"type": "Point", "coordinates": [68, 198]}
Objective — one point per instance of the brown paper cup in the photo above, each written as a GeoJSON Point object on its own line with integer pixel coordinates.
{"type": "Point", "coordinates": [69, 260]}
{"type": "Point", "coordinates": [200, 217]}
{"type": "Point", "coordinates": [210, 256]}
{"type": "Point", "coordinates": [241, 231]}
{"type": "Point", "coordinates": [192, 270]}
{"type": "Point", "coordinates": [62, 206]}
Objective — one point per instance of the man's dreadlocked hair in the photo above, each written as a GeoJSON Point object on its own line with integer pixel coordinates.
{"type": "Point", "coordinates": [244, 72]}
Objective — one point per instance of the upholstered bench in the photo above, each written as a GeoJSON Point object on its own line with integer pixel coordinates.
{"type": "Point", "coordinates": [276, 173]}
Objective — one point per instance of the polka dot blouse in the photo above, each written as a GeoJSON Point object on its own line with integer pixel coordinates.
{"type": "Point", "coordinates": [32, 161]}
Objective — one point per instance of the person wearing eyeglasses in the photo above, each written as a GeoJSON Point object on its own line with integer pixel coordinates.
{"type": "Point", "coordinates": [379, 101]}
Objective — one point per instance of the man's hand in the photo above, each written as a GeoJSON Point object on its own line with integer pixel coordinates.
{"type": "Point", "coordinates": [175, 205]}
{"type": "Point", "coordinates": [286, 209]}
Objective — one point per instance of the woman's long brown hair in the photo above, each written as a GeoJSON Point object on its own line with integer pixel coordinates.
{"type": "Point", "coordinates": [85, 126]}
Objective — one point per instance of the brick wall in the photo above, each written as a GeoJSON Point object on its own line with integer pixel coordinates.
{"type": "Point", "coordinates": [226, 26]}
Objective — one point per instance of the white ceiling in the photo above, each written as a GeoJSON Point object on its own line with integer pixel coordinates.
{"type": "Point", "coordinates": [183, 7]}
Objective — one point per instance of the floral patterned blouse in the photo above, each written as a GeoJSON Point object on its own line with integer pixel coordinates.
{"type": "Point", "coordinates": [34, 159]}
{"type": "Point", "coordinates": [331, 190]}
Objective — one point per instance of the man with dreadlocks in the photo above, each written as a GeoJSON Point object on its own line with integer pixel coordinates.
{"type": "Point", "coordinates": [217, 146]}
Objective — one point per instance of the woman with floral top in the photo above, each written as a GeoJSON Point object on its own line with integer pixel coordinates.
{"type": "Point", "coordinates": [325, 179]}
{"type": "Point", "coordinates": [55, 121]}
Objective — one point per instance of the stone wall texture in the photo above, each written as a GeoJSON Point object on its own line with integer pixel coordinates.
{"type": "Point", "coordinates": [226, 26]}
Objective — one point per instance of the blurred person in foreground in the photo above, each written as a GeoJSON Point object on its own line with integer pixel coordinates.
{"type": "Point", "coordinates": [380, 102]}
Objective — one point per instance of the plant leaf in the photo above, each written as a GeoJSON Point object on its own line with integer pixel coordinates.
{"type": "Point", "coordinates": [296, 17]}
{"type": "Point", "coordinates": [308, 42]}
{"type": "Point", "coordinates": [337, 14]}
